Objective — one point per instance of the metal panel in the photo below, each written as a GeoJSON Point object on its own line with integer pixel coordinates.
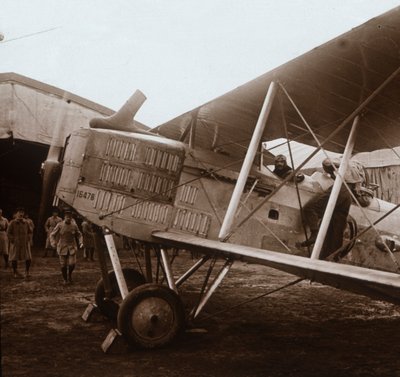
{"type": "Point", "coordinates": [114, 174]}
{"type": "Point", "coordinates": [150, 211]}
{"type": "Point", "coordinates": [109, 201]}
{"type": "Point", "coordinates": [155, 184]}
{"type": "Point", "coordinates": [120, 149]}
{"type": "Point", "coordinates": [192, 222]}
{"type": "Point", "coordinates": [161, 159]}
{"type": "Point", "coordinates": [188, 194]}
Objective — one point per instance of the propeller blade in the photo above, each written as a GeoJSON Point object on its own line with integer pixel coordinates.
{"type": "Point", "coordinates": [50, 170]}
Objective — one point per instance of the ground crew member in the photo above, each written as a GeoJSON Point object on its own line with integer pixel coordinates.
{"type": "Point", "coordinates": [3, 238]}
{"type": "Point", "coordinates": [49, 226]}
{"type": "Point", "coordinates": [314, 210]}
{"type": "Point", "coordinates": [66, 236]}
{"type": "Point", "coordinates": [88, 240]}
{"type": "Point", "coordinates": [19, 233]}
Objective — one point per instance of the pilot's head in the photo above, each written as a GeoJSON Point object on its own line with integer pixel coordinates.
{"type": "Point", "coordinates": [280, 162]}
{"type": "Point", "coordinates": [329, 163]}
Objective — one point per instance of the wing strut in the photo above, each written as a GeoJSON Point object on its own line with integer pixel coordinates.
{"type": "Point", "coordinates": [248, 161]}
{"type": "Point", "coordinates": [335, 191]}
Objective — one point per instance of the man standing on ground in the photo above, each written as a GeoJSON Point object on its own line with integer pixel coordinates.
{"type": "Point", "coordinates": [88, 240]}
{"type": "Point", "coordinates": [49, 226]}
{"type": "Point", "coordinates": [66, 236]}
{"type": "Point", "coordinates": [19, 233]}
{"type": "Point", "coordinates": [3, 238]}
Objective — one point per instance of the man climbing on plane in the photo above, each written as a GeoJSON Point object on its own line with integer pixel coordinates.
{"type": "Point", "coordinates": [314, 210]}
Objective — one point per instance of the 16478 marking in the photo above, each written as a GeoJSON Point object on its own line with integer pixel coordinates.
{"type": "Point", "coordinates": [85, 195]}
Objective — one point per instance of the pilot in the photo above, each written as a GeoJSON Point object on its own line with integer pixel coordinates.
{"type": "Point", "coordinates": [314, 210]}
{"type": "Point", "coordinates": [282, 169]}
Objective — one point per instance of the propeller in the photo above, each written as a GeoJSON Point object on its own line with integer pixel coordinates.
{"type": "Point", "coordinates": [50, 169]}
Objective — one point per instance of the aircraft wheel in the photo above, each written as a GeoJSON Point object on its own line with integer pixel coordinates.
{"type": "Point", "coordinates": [110, 307]}
{"type": "Point", "coordinates": [151, 316]}
{"type": "Point", "coordinates": [349, 233]}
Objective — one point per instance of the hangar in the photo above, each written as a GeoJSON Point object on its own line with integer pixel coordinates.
{"type": "Point", "coordinates": [33, 116]}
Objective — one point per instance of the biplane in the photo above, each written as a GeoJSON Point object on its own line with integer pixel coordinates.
{"type": "Point", "coordinates": [199, 183]}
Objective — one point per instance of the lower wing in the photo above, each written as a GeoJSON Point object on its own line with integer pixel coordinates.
{"type": "Point", "coordinates": [376, 284]}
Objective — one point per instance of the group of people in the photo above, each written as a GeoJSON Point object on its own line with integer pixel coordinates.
{"type": "Point", "coordinates": [63, 238]}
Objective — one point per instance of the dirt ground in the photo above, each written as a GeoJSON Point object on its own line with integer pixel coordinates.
{"type": "Point", "coordinates": [304, 330]}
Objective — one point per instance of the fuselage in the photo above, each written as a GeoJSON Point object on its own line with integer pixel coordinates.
{"type": "Point", "coordinates": [136, 184]}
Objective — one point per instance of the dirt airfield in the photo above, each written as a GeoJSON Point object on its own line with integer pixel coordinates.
{"type": "Point", "coordinates": [304, 330]}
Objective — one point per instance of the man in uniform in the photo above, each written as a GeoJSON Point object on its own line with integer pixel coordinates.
{"type": "Point", "coordinates": [66, 236]}
{"type": "Point", "coordinates": [49, 226]}
{"type": "Point", "coordinates": [88, 240]}
{"type": "Point", "coordinates": [19, 233]}
{"type": "Point", "coordinates": [3, 238]}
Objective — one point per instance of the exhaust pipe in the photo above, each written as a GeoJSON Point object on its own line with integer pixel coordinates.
{"type": "Point", "coordinates": [122, 120]}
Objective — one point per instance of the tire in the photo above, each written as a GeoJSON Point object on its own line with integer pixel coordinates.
{"type": "Point", "coordinates": [110, 307]}
{"type": "Point", "coordinates": [349, 233]}
{"type": "Point", "coordinates": [151, 316]}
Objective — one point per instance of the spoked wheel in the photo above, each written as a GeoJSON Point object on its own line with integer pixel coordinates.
{"type": "Point", "coordinates": [110, 307]}
{"type": "Point", "coordinates": [151, 316]}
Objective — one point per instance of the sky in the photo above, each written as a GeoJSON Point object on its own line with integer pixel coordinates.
{"type": "Point", "coordinates": [179, 53]}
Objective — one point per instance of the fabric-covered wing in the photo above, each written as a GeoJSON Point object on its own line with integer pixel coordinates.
{"type": "Point", "coordinates": [327, 84]}
{"type": "Point", "coordinates": [373, 283]}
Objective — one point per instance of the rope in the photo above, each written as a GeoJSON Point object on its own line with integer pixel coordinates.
{"type": "Point", "coordinates": [292, 162]}
{"type": "Point", "coordinates": [294, 282]}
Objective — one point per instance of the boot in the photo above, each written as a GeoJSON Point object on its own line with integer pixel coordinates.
{"type": "Point", "coordinates": [5, 261]}
{"type": "Point", "coordinates": [64, 274]}
{"type": "Point", "coordinates": [70, 269]}
{"type": "Point", "coordinates": [27, 266]}
{"type": "Point", "coordinates": [14, 267]}
{"type": "Point", "coordinates": [311, 240]}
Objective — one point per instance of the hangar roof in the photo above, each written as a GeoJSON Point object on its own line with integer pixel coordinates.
{"type": "Point", "coordinates": [33, 111]}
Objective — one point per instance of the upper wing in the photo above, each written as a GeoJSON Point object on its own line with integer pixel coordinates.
{"type": "Point", "coordinates": [373, 283]}
{"type": "Point", "coordinates": [327, 84]}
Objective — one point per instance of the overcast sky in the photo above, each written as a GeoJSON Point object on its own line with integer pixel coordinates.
{"type": "Point", "coordinates": [180, 53]}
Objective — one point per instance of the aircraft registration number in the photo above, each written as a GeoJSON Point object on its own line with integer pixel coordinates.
{"type": "Point", "coordinates": [85, 195]}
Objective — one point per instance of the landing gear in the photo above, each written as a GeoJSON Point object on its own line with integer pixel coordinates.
{"type": "Point", "coordinates": [151, 316]}
{"type": "Point", "coordinates": [349, 236]}
{"type": "Point", "coordinates": [110, 306]}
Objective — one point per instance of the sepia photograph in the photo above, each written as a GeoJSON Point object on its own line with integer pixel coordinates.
{"type": "Point", "coordinates": [200, 188]}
